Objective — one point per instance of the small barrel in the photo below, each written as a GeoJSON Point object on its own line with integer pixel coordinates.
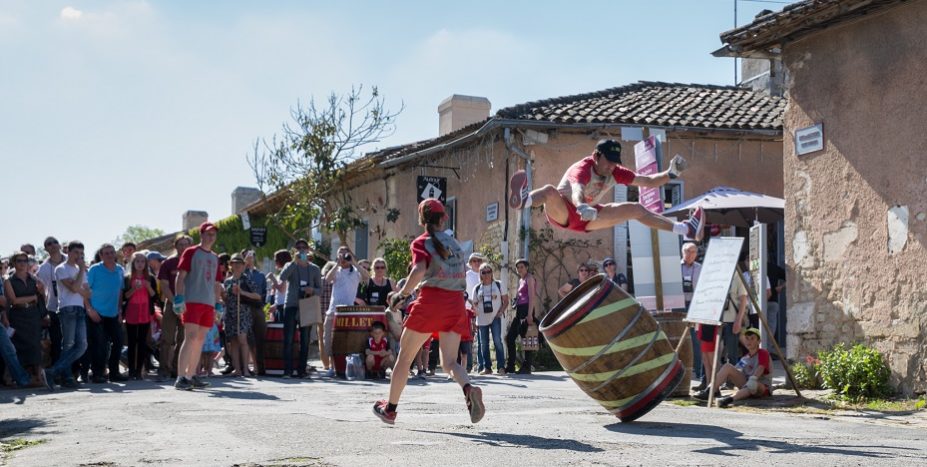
{"type": "Point", "coordinates": [612, 348]}
{"type": "Point", "coordinates": [351, 330]}
{"type": "Point", "coordinates": [676, 328]}
{"type": "Point", "coordinates": [273, 349]}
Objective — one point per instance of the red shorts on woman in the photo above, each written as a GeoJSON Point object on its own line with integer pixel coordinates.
{"type": "Point", "coordinates": [438, 310]}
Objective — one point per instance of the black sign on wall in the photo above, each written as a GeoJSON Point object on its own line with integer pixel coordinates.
{"type": "Point", "coordinates": [432, 187]}
{"type": "Point", "coordinates": [258, 236]}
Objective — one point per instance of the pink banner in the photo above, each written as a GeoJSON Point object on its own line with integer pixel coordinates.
{"type": "Point", "coordinates": [645, 158]}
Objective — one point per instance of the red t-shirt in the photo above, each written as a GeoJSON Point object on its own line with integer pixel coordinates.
{"type": "Point", "coordinates": [419, 252]}
{"type": "Point", "coordinates": [138, 308]}
{"type": "Point", "coordinates": [168, 272]}
{"type": "Point", "coordinates": [375, 346]}
{"type": "Point", "coordinates": [594, 186]}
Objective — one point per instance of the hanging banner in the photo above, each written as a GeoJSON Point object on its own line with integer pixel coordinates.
{"type": "Point", "coordinates": [645, 159]}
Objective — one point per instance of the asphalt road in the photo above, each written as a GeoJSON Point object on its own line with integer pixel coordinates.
{"type": "Point", "coordinates": [543, 419]}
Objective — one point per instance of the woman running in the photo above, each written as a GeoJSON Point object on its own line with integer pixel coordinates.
{"type": "Point", "coordinates": [439, 265]}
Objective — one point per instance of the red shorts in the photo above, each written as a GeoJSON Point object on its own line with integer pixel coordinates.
{"type": "Point", "coordinates": [438, 310]}
{"type": "Point", "coordinates": [574, 222]}
{"type": "Point", "coordinates": [199, 314]}
{"type": "Point", "coordinates": [709, 345]}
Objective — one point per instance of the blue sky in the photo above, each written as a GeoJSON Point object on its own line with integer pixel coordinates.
{"type": "Point", "coordinates": [117, 113]}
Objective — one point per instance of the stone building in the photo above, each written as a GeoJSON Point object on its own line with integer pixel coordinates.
{"type": "Point", "coordinates": [855, 162]}
{"type": "Point", "coordinates": [731, 136]}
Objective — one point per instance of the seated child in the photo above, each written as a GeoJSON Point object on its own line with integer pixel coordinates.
{"type": "Point", "coordinates": [752, 375]}
{"type": "Point", "coordinates": [379, 357]}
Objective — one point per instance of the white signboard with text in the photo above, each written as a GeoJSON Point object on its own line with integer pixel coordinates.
{"type": "Point", "coordinates": [715, 280]}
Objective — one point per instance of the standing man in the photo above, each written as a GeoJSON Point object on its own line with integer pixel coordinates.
{"type": "Point", "coordinates": [198, 288]}
{"type": "Point", "coordinates": [345, 277]}
{"type": "Point", "coordinates": [611, 270]}
{"type": "Point", "coordinates": [573, 204]}
{"type": "Point", "coordinates": [258, 320]}
{"type": "Point", "coordinates": [690, 273]}
{"type": "Point", "coordinates": [473, 279]}
{"type": "Point", "coordinates": [304, 280]}
{"type": "Point", "coordinates": [128, 249]}
{"type": "Point", "coordinates": [171, 324]}
{"type": "Point", "coordinates": [105, 337]}
{"type": "Point", "coordinates": [71, 278]}
{"type": "Point", "coordinates": [46, 274]}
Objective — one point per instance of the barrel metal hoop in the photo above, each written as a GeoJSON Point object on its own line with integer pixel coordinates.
{"type": "Point", "coordinates": [669, 369]}
{"type": "Point", "coordinates": [624, 332]}
{"type": "Point", "coordinates": [555, 329]}
{"type": "Point", "coordinates": [632, 362]}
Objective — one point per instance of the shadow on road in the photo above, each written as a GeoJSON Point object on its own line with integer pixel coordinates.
{"type": "Point", "coordinates": [733, 441]}
{"type": "Point", "coordinates": [528, 441]}
{"type": "Point", "coordinates": [18, 426]}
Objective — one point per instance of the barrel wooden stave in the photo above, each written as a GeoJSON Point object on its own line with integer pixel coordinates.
{"type": "Point", "coordinates": [675, 327]}
{"type": "Point", "coordinates": [580, 334]}
{"type": "Point", "coordinates": [273, 348]}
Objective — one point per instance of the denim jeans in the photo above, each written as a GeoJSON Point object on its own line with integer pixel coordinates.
{"type": "Point", "coordinates": [8, 352]}
{"type": "Point", "coordinates": [290, 314]}
{"type": "Point", "coordinates": [73, 339]}
{"type": "Point", "coordinates": [496, 328]}
{"type": "Point", "coordinates": [731, 344]}
{"type": "Point", "coordinates": [697, 370]}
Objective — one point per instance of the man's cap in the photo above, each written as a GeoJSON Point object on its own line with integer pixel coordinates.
{"type": "Point", "coordinates": [610, 149]}
{"type": "Point", "coordinates": [474, 256]}
{"type": "Point", "coordinates": [155, 255]}
{"type": "Point", "coordinates": [237, 258]}
{"type": "Point", "coordinates": [303, 241]}
{"type": "Point", "coordinates": [608, 261]}
{"type": "Point", "coordinates": [432, 205]}
{"type": "Point", "coordinates": [754, 331]}
{"type": "Point", "coordinates": [207, 226]}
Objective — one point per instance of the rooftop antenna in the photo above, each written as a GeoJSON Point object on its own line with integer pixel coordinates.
{"type": "Point", "coordinates": [735, 58]}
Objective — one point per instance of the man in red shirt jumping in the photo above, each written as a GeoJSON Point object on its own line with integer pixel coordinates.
{"type": "Point", "coordinates": [573, 204]}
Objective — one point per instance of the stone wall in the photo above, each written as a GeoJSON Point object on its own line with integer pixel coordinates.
{"type": "Point", "coordinates": [856, 214]}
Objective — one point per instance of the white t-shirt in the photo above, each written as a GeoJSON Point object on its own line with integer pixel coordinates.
{"type": "Point", "coordinates": [487, 294]}
{"type": "Point", "coordinates": [46, 274]}
{"type": "Point", "coordinates": [65, 296]}
{"type": "Point", "coordinates": [473, 278]}
{"type": "Point", "coordinates": [344, 289]}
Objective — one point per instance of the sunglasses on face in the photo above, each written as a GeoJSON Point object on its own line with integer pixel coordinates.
{"type": "Point", "coordinates": [51, 243]}
{"type": "Point", "coordinates": [379, 267]}
{"type": "Point", "coordinates": [583, 270]}
{"type": "Point", "coordinates": [21, 261]}
{"type": "Point", "coordinates": [485, 273]}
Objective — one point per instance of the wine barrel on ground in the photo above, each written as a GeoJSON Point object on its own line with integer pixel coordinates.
{"type": "Point", "coordinates": [612, 348]}
{"type": "Point", "coordinates": [676, 328]}
{"type": "Point", "coordinates": [351, 329]}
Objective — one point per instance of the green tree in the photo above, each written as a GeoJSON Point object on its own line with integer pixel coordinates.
{"type": "Point", "coordinates": [137, 234]}
{"type": "Point", "coordinates": [397, 255]}
{"type": "Point", "coordinates": [304, 165]}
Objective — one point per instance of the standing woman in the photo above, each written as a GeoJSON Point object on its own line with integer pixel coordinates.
{"type": "Point", "coordinates": [238, 313]}
{"type": "Point", "coordinates": [23, 292]}
{"type": "Point", "coordinates": [378, 286]}
{"type": "Point", "coordinates": [438, 264]}
{"type": "Point", "coordinates": [138, 302]}
{"type": "Point", "coordinates": [525, 309]}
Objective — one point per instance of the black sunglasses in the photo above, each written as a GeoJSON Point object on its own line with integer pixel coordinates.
{"type": "Point", "coordinates": [485, 272]}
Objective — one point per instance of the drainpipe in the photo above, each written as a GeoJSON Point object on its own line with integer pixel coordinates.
{"type": "Point", "coordinates": [525, 213]}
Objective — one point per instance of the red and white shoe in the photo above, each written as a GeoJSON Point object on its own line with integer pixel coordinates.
{"type": "Point", "coordinates": [696, 224]}
{"type": "Point", "coordinates": [518, 189]}
{"type": "Point", "coordinates": [379, 409]}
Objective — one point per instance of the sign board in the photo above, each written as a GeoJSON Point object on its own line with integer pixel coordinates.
{"type": "Point", "coordinates": [645, 158]}
{"type": "Point", "coordinates": [258, 236]}
{"type": "Point", "coordinates": [642, 261]}
{"type": "Point", "coordinates": [757, 265]}
{"type": "Point", "coordinates": [492, 211]}
{"type": "Point", "coordinates": [245, 220]}
{"type": "Point", "coordinates": [715, 280]}
{"type": "Point", "coordinates": [810, 139]}
{"type": "Point", "coordinates": [431, 187]}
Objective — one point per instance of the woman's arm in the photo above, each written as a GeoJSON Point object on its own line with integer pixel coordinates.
{"type": "Point", "coordinates": [415, 276]}
{"type": "Point", "coordinates": [14, 300]}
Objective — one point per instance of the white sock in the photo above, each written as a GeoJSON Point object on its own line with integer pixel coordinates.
{"type": "Point", "coordinates": [681, 228]}
{"type": "Point", "coordinates": [527, 202]}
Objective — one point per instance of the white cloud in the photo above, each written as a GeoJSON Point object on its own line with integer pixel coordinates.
{"type": "Point", "coordinates": [70, 13]}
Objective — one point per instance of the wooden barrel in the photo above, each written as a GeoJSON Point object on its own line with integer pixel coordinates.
{"type": "Point", "coordinates": [675, 327]}
{"type": "Point", "coordinates": [612, 348]}
{"type": "Point", "coordinates": [351, 330]}
{"type": "Point", "coordinates": [273, 349]}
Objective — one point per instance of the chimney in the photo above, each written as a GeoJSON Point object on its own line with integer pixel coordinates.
{"type": "Point", "coordinates": [242, 197]}
{"type": "Point", "coordinates": [193, 219]}
{"type": "Point", "coordinates": [458, 111]}
{"type": "Point", "coordinates": [763, 75]}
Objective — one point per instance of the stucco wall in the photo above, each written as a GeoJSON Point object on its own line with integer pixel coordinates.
{"type": "Point", "coordinates": [856, 271]}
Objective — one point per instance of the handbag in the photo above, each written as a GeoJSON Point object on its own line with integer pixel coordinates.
{"type": "Point", "coordinates": [310, 311]}
{"type": "Point", "coordinates": [530, 342]}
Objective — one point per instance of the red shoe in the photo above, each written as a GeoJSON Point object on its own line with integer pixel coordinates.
{"type": "Point", "coordinates": [475, 404]}
{"type": "Point", "coordinates": [379, 409]}
{"type": "Point", "coordinates": [518, 190]}
{"type": "Point", "coordinates": [696, 225]}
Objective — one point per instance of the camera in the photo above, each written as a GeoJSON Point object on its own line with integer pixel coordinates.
{"type": "Point", "coordinates": [347, 257]}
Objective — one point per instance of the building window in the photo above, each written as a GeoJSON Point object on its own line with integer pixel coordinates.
{"type": "Point", "coordinates": [451, 208]}
{"type": "Point", "coordinates": [673, 194]}
{"type": "Point", "coordinates": [360, 240]}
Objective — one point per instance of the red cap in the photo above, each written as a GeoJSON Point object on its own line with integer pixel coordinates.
{"type": "Point", "coordinates": [207, 226]}
{"type": "Point", "coordinates": [432, 205]}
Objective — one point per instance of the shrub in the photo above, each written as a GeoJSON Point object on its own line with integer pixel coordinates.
{"type": "Point", "coordinates": [856, 373]}
{"type": "Point", "coordinates": [806, 376]}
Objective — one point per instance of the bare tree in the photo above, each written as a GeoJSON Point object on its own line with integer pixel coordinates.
{"type": "Point", "coordinates": [304, 166]}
